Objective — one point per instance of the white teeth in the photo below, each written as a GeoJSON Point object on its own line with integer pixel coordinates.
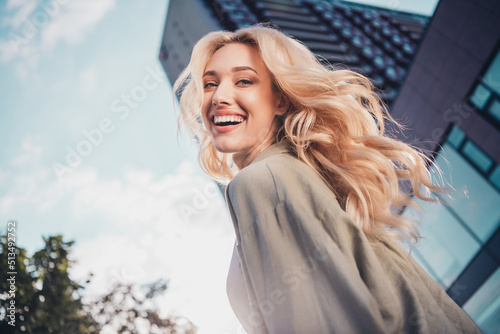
{"type": "Point", "coordinates": [224, 119]}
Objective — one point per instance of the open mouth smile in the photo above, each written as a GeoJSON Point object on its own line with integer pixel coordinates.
{"type": "Point", "coordinates": [227, 123]}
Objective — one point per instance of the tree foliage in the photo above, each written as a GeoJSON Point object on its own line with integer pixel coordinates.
{"type": "Point", "coordinates": [48, 301]}
{"type": "Point", "coordinates": [129, 309]}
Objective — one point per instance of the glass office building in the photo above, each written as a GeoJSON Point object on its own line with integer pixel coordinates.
{"type": "Point", "coordinates": [451, 96]}
{"type": "Point", "coordinates": [485, 96]}
{"type": "Point", "coordinates": [461, 237]}
{"type": "Point", "coordinates": [441, 77]}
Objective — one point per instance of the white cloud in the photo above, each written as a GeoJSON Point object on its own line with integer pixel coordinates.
{"type": "Point", "coordinates": [35, 29]}
{"type": "Point", "coordinates": [151, 236]}
{"type": "Point", "coordinates": [74, 22]}
{"type": "Point", "coordinates": [7, 52]}
{"type": "Point", "coordinates": [6, 203]}
{"type": "Point", "coordinates": [22, 10]}
{"type": "Point", "coordinates": [29, 150]}
{"type": "Point", "coordinates": [193, 251]}
{"type": "Point", "coordinates": [88, 79]}
{"type": "Point", "coordinates": [25, 181]}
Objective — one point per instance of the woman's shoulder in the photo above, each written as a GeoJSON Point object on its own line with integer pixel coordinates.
{"type": "Point", "coordinates": [281, 176]}
{"type": "Point", "coordinates": [259, 176]}
{"type": "Point", "coordinates": [265, 172]}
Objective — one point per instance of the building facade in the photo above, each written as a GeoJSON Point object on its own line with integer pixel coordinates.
{"type": "Point", "coordinates": [450, 100]}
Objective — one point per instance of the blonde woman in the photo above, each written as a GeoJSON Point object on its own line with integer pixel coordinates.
{"type": "Point", "coordinates": [311, 183]}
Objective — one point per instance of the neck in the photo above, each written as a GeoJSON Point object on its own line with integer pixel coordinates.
{"type": "Point", "coordinates": [243, 159]}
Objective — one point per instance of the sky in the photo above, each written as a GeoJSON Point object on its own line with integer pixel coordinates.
{"type": "Point", "coordinates": [90, 150]}
{"type": "Point", "coordinates": [82, 158]}
{"type": "Point", "coordinates": [420, 7]}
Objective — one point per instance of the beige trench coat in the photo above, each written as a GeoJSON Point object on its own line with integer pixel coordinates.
{"type": "Point", "coordinates": [307, 268]}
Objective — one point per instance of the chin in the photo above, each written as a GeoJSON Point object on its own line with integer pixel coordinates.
{"type": "Point", "coordinates": [223, 146]}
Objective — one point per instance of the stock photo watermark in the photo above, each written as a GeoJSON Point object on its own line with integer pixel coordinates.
{"type": "Point", "coordinates": [122, 107]}
{"type": "Point", "coordinates": [11, 271]}
{"type": "Point", "coordinates": [457, 114]}
{"type": "Point", "coordinates": [293, 279]}
{"type": "Point", "coordinates": [201, 200]}
{"type": "Point", "coordinates": [46, 11]}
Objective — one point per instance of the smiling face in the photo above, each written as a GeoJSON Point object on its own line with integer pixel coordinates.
{"type": "Point", "coordinates": [239, 103]}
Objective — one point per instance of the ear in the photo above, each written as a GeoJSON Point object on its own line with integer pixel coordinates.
{"type": "Point", "coordinates": [283, 104]}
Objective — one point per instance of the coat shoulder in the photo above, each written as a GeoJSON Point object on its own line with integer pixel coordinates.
{"type": "Point", "coordinates": [283, 177]}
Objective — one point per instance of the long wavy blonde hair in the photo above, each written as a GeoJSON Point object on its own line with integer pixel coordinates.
{"type": "Point", "coordinates": [335, 125]}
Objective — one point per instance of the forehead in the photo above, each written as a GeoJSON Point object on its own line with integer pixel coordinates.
{"type": "Point", "coordinates": [236, 55]}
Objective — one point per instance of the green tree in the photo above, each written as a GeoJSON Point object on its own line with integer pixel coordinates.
{"type": "Point", "coordinates": [130, 309]}
{"type": "Point", "coordinates": [23, 285]}
{"type": "Point", "coordinates": [48, 301]}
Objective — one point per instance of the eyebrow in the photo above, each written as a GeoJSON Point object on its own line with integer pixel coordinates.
{"type": "Point", "coordinates": [234, 70]}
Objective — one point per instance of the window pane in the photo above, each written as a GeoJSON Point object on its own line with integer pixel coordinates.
{"type": "Point", "coordinates": [484, 306]}
{"type": "Point", "coordinates": [492, 76]}
{"type": "Point", "coordinates": [495, 177]}
{"type": "Point", "coordinates": [494, 109]}
{"type": "Point", "coordinates": [456, 137]}
{"type": "Point", "coordinates": [477, 156]}
{"type": "Point", "coordinates": [427, 267]}
{"type": "Point", "coordinates": [480, 96]}
{"type": "Point", "coordinates": [446, 246]}
{"type": "Point", "coordinates": [475, 200]}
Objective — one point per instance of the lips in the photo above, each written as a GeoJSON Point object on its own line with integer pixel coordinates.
{"type": "Point", "coordinates": [225, 121]}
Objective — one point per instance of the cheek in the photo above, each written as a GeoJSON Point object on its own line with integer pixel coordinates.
{"type": "Point", "coordinates": [264, 111]}
{"type": "Point", "coordinates": [206, 122]}
{"type": "Point", "coordinates": [205, 108]}
{"type": "Point", "coordinates": [259, 104]}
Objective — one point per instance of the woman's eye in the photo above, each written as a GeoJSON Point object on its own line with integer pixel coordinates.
{"type": "Point", "coordinates": [209, 85]}
{"type": "Point", "coordinates": [244, 82]}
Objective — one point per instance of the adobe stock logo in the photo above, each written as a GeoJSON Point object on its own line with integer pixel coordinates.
{"type": "Point", "coordinates": [201, 200]}
{"type": "Point", "coordinates": [121, 106]}
{"type": "Point", "coordinates": [31, 26]}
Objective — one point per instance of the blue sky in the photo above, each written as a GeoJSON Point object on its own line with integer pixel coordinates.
{"type": "Point", "coordinates": [421, 7]}
{"type": "Point", "coordinates": [66, 84]}
{"type": "Point", "coordinates": [137, 204]}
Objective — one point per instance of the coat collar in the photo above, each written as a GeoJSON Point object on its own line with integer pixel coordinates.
{"type": "Point", "coordinates": [274, 149]}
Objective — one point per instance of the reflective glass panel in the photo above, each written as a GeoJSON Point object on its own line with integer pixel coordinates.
{"type": "Point", "coordinates": [446, 246]}
{"type": "Point", "coordinates": [480, 96]}
{"type": "Point", "coordinates": [456, 137]}
{"type": "Point", "coordinates": [484, 306]}
{"type": "Point", "coordinates": [477, 156]}
{"type": "Point", "coordinates": [495, 177]}
{"type": "Point", "coordinates": [494, 109]}
{"type": "Point", "coordinates": [426, 265]}
{"type": "Point", "coordinates": [474, 200]}
{"type": "Point", "coordinates": [492, 76]}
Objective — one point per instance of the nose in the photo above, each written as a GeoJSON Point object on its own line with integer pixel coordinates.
{"type": "Point", "coordinates": [222, 95]}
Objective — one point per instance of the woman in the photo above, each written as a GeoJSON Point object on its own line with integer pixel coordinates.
{"type": "Point", "coordinates": [313, 183]}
